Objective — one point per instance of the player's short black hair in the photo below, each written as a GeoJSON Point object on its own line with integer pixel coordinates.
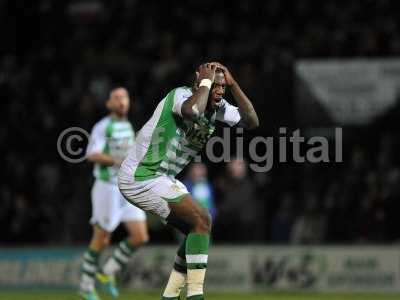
{"type": "Point", "coordinates": [116, 88]}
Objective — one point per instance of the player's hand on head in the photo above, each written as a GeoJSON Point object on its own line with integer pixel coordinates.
{"type": "Point", "coordinates": [228, 76]}
{"type": "Point", "coordinates": [206, 71]}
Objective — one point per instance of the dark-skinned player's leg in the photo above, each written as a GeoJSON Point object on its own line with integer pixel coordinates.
{"type": "Point", "coordinates": [194, 221]}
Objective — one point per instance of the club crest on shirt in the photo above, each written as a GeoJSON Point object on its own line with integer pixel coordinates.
{"type": "Point", "coordinates": [176, 188]}
{"type": "Point", "coordinates": [199, 132]}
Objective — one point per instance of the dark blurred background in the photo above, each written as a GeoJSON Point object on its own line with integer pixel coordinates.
{"type": "Point", "coordinates": [59, 60]}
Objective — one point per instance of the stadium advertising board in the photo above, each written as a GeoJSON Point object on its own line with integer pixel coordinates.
{"type": "Point", "coordinates": [326, 269]}
{"type": "Point", "coordinates": [34, 268]}
{"type": "Point", "coordinates": [365, 269]}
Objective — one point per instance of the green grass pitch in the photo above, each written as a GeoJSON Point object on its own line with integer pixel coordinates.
{"type": "Point", "coordinates": [36, 295]}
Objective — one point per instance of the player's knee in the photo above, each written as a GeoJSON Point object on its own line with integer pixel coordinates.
{"type": "Point", "coordinates": [140, 239]}
{"type": "Point", "coordinates": [105, 241]}
{"type": "Point", "coordinates": [102, 239]}
{"type": "Point", "coordinates": [208, 222]}
{"type": "Point", "coordinates": [180, 224]}
{"type": "Point", "coordinates": [203, 223]}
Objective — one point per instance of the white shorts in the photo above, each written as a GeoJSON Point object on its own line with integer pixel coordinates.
{"type": "Point", "coordinates": [152, 195]}
{"type": "Point", "coordinates": [109, 207]}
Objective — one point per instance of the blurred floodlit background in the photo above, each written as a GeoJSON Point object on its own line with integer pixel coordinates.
{"type": "Point", "coordinates": [305, 64]}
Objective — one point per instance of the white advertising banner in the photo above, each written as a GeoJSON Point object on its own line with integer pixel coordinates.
{"type": "Point", "coordinates": [248, 268]}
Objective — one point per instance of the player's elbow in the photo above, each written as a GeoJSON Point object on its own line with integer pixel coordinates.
{"type": "Point", "coordinates": [189, 112]}
{"type": "Point", "coordinates": [252, 123]}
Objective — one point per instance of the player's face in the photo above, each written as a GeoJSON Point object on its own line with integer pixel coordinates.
{"type": "Point", "coordinates": [217, 90]}
{"type": "Point", "coordinates": [119, 102]}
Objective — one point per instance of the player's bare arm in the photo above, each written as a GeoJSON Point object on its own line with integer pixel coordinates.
{"type": "Point", "coordinates": [103, 159]}
{"type": "Point", "coordinates": [249, 118]}
{"type": "Point", "coordinates": [197, 103]}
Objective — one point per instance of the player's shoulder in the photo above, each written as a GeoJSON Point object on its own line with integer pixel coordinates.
{"type": "Point", "coordinates": [183, 91]}
{"type": "Point", "coordinates": [102, 124]}
{"type": "Point", "coordinates": [184, 88]}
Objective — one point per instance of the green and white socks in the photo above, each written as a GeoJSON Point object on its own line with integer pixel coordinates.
{"type": "Point", "coordinates": [88, 270]}
{"type": "Point", "coordinates": [119, 258]}
{"type": "Point", "coordinates": [189, 267]}
{"type": "Point", "coordinates": [193, 254]}
{"type": "Point", "coordinates": [177, 278]}
{"type": "Point", "coordinates": [113, 265]}
{"type": "Point", "coordinates": [196, 261]}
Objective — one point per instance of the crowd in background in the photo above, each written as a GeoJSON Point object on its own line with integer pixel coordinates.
{"type": "Point", "coordinates": [56, 73]}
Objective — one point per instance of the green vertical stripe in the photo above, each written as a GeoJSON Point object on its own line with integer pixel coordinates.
{"type": "Point", "coordinates": [104, 170]}
{"type": "Point", "coordinates": [164, 131]}
{"type": "Point", "coordinates": [109, 128]}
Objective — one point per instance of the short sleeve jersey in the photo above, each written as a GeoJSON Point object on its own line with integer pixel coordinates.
{"type": "Point", "coordinates": [168, 142]}
{"type": "Point", "coordinates": [113, 137]}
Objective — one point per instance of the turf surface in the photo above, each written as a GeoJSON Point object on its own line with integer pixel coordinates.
{"type": "Point", "coordinates": [33, 295]}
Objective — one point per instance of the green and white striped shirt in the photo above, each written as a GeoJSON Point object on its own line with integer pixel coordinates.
{"type": "Point", "coordinates": [113, 137]}
{"type": "Point", "coordinates": [168, 142]}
